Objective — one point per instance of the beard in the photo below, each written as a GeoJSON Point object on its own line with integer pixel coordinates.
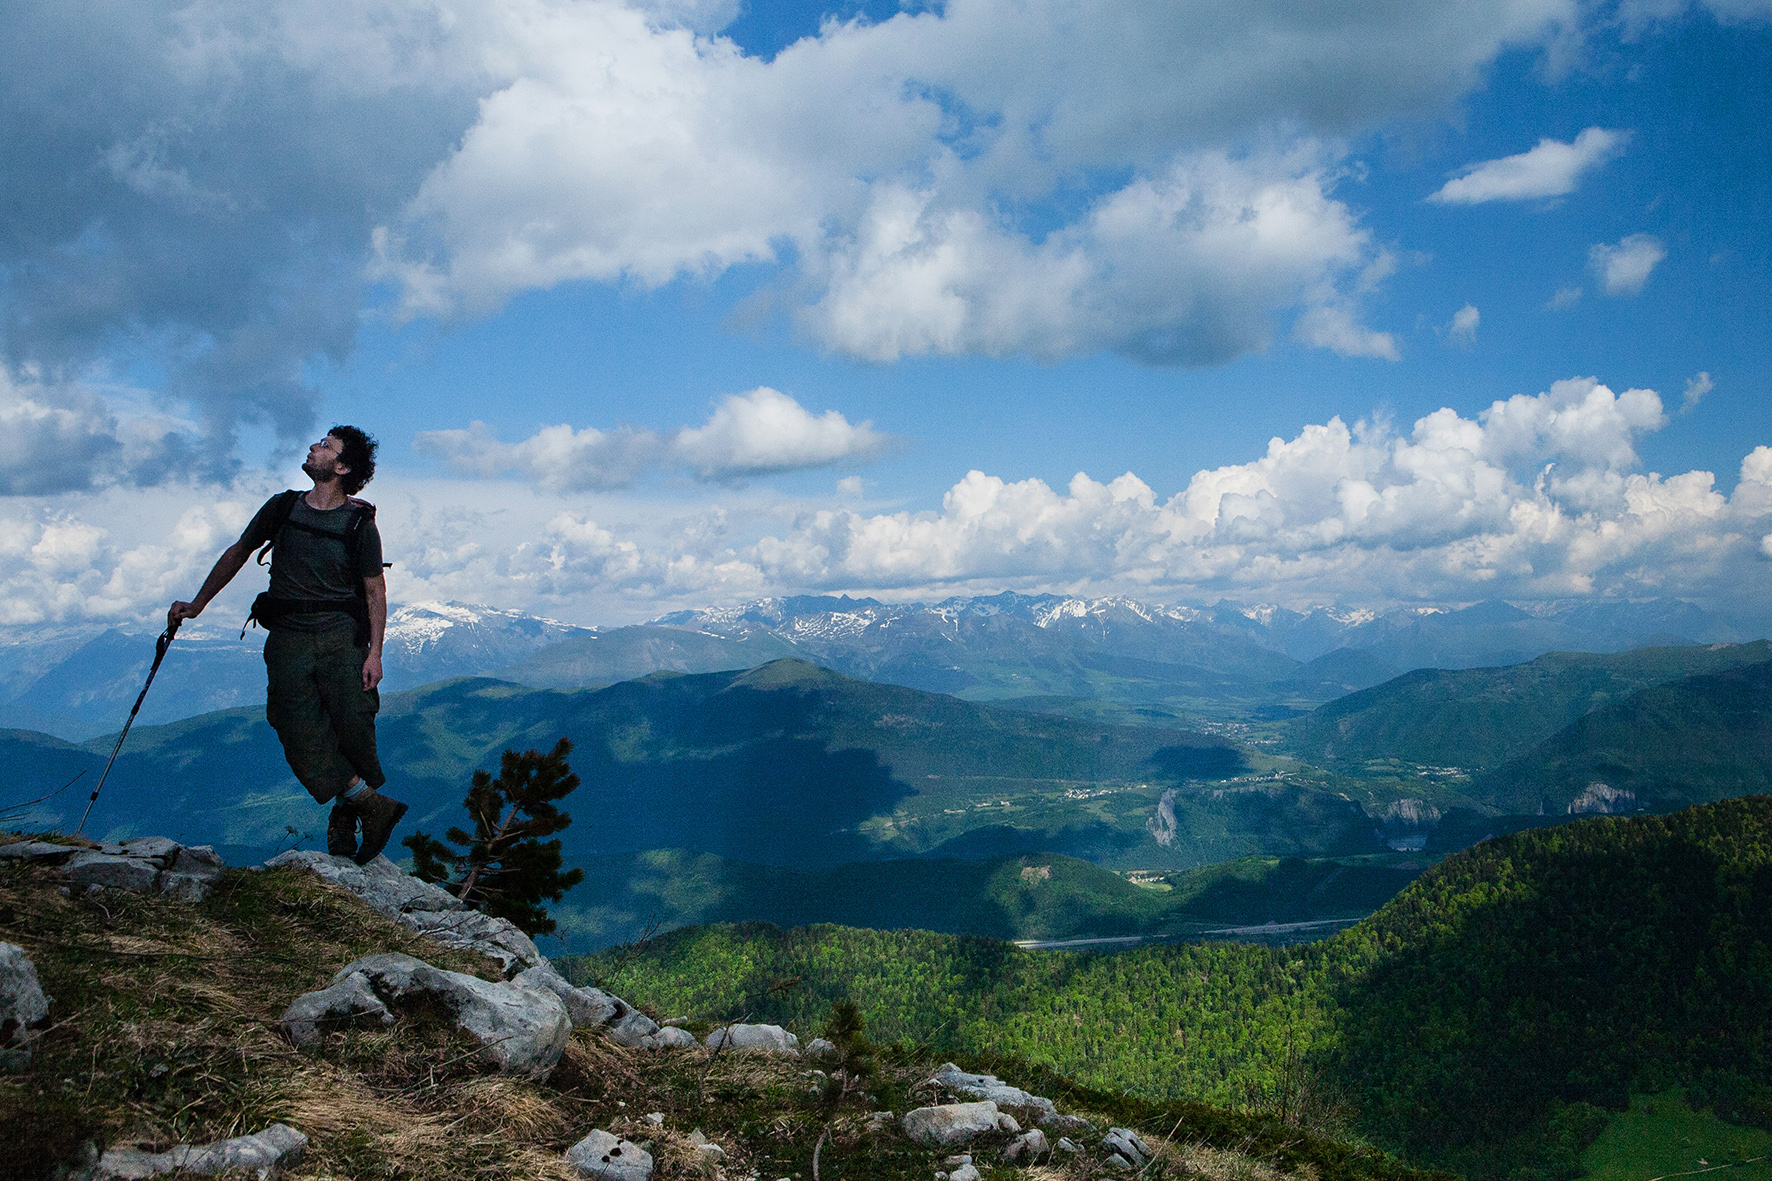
{"type": "Point", "coordinates": [318, 474]}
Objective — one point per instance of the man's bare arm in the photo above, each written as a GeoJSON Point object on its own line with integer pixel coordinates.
{"type": "Point", "coordinates": [376, 590]}
{"type": "Point", "coordinates": [222, 573]}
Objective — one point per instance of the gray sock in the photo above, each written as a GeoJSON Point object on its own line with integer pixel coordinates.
{"type": "Point", "coordinates": [356, 790]}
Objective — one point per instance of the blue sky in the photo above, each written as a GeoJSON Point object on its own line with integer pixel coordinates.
{"type": "Point", "coordinates": [823, 263]}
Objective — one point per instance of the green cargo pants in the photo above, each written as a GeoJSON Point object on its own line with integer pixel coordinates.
{"type": "Point", "coordinates": [317, 705]}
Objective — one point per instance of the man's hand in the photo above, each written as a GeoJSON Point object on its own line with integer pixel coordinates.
{"type": "Point", "coordinates": [180, 612]}
{"type": "Point", "coordinates": [371, 671]}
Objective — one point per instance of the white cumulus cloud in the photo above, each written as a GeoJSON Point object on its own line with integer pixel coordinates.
{"type": "Point", "coordinates": [758, 433]}
{"type": "Point", "coordinates": [1462, 330]}
{"type": "Point", "coordinates": [1552, 169]}
{"type": "Point", "coordinates": [1625, 267]}
{"type": "Point", "coordinates": [1535, 496]}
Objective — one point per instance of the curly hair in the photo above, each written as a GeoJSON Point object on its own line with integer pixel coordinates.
{"type": "Point", "coordinates": [359, 456]}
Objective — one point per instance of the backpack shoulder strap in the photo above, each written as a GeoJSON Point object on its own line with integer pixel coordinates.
{"type": "Point", "coordinates": [285, 505]}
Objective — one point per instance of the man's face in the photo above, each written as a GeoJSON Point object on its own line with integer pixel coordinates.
{"type": "Point", "coordinates": [325, 459]}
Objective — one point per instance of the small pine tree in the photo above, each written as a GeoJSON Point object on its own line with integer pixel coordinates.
{"type": "Point", "coordinates": [504, 867]}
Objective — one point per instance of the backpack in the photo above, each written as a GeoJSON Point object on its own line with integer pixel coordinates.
{"type": "Point", "coordinates": [267, 611]}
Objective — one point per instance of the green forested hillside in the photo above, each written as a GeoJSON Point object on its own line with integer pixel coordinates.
{"type": "Point", "coordinates": [1689, 741]}
{"type": "Point", "coordinates": [1021, 897]}
{"type": "Point", "coordinates": [1480, 717]}
{"type": "Point", "coordinates": [1487, 1019]}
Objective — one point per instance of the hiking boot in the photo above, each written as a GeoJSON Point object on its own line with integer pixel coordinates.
{"type": "Point", "coordinates": [379, 814]}
{"type": "Point", "coordinates": [341, 829]}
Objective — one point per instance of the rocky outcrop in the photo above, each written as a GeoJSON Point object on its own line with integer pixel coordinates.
{"type": "Point", "coordinates": [142, 865]}
{"type": "Point", "coordinates": [522, 1030]}
{"type": "Point", "coordinates": [23, 1007]}
{"type": "Point", "coordinates": [989, 1086]}
{"type": "Point", "coordinates": [277, 1147]}
{"type": "Point", "coordinates": [1027, 1148]}
{"type": "Point", "coordinates": [588, 1007]}
{"type": "Point", "coordinates": [771, 1039]}
{"type": "Point", "coordinates": [609, 1158]}
{"type": "Point", "coordinates": [1125, 1149]}
{"type": "Point", "coordinates": [421, 906]}
{"type": "Point", "coordinates": [948, 1124]}
{"type": "Point", "coordinates": [352, 997]}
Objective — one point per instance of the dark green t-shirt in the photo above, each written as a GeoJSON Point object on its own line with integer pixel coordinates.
{"type": "Point", "coordinates": [307, 566]}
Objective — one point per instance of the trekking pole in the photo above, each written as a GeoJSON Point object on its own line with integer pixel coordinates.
{"type": "Point", "coordinates": [160, 646]}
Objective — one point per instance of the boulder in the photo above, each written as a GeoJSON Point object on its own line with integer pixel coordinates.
{"type": "Point", "coordinates": [950, 1123]}
{"type": "Point", "coordinates": [1007, 1123]}
{"type": "Point", "coordinates": [197, 861]}
{"type": "Point", "coordinates": [706, 1149]}
{"type": "Point", "coordinates": [1066, 1144]}
{"type": "Point", "coordinates": [989, 1086]}
{"type": "Point", "coordinates": [351, 997]}
{"type": "Point", "coordinates": [669, 1037]}
{"type": "Point", "coordinates": [277, 1147]}
{"type": "Point", "coordinates": [589, 1008]}
{"type": "Point", "coordinates": [965, 1172]}
{"type": "Point", "coordinates": [1128, 1144]}
{"type": "Point", "coordinates": [424, 907]}
{"type": "Point", "coordinates": [523, 1030]}
{"type": "Point", "coordinates": [1028, 1147]}
{"type": "Point", "coordinates": [87, 869]}
{"type": "Point", "coordinates": [36, 851]}
{"type": "Point", "coordinates": [633, 1029]}
{"type": "Point", "coordinates": [820, 1047]}
{"type": "Point", "coordinates": [1064, 1124]}
{"type": "Point", "coordinates": [1118, 1162]}
{"type": "Point", "coordinates": [771, 1039]}
{"type": "Point", "coordinates": [609, 1158]}
{"type": "Point", "coordinates": [881, 1121]}
{"type": "Point", "coordinates": [22, 1006]}
{"type": "Point", "coordinates": [160, 849]}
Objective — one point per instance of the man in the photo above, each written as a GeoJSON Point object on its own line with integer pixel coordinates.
{"type": "Point", "coordinates": [326, 612]}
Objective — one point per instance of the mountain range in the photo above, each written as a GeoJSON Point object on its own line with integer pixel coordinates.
{"type": "Point", "coordinates": [1110, 659]}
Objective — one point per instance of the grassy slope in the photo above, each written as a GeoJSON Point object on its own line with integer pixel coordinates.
{"type": "Point", "coordinates": [1483, 1019]}
{"type": "Point", "coordinates": [1481, 717]}
{"type": "Point", "coordinates": [1661, 1136]}
{"type": "Point", "coordinates": [164, 1033]}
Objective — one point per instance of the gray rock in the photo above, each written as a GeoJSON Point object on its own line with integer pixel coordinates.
{"type": "Point", "coordinates": [1007, 1123]}
{"type": "Point", "coordinates": [498, 938]}
{"type": "Point", "coordinates": [772, 1039]}
{"type": "Point", "coordinates": [522, 1030]}
{"type": "Point", "coordinates": [589, 1008]}
{"type": "Point", "coordinates": [277, 1147]}
{"type": "Point", "coordinates": [956, 1160]}
{"type": "Point", "coordinates": [989, 1086]}
{"type": "Point", "coordinates": [1064, 1124]}
{"type": "Point", "coordinates": [1066, 1144]}
{"type": "Point", "coordinates": [351, 997]}
{"type": "Point", "coordinates": [966, 1172]}
{"type": "Point", "coordinates": [820, 1047]}
{"type": "Point", "coordinates": [881, 1121]}
{"type": "Point", "coordinates": [609, 1158]}
{"type": "Point", "coordinates": [183, 887]}
{"type": "Point", "coordinates": [669, 1037]}
{"type": "Point", "coordinates": [198, 861]}
{"type": "Point", "coordinates": [1028, 1147]}
{"type": "Point", "coordinates": [1116, 1161]}
{"type": "Point", "coordinates": [950, 1123]}
{"type": "Point", "coordinates": [159, 849]}
{"type": "Point", "coordinates": [36, 851]}
{"type": "Point", "coordinates": [22, 1006]}
{"type": "Point", "coordinates": [706, 1148]}
{"type": "Point", "coordinates": [632, 1029]}
{"type": "Point", "coordinates": [424, 907]}
{"type": "Point", "coordinates": [1128, 1144]}
{"type": "Point", "coordinates": [87, 869]}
